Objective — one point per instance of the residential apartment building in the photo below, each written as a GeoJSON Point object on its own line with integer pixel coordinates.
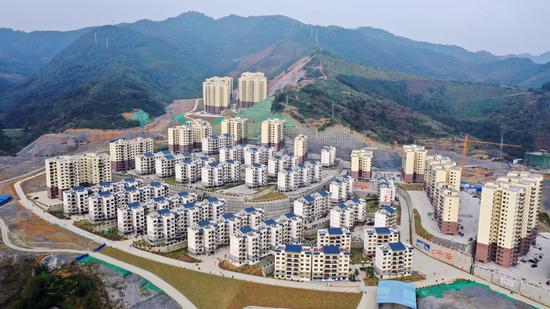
{"type": "Point", "coordinates": [301, 148]}
{"type": "Point", "coordinates": [217, 174]}
{"type": "Point", "coordinates": [378, 236]}
{"type": "Point", "coordinates": [257, 154]}
{"type": "Point", "coordinates": [272, 133]}
{"type": "Point", "coordinates": [393, 260]}
{"type": "Point", "coordinates": [385, 217]}
{"type": "Point", "coordinates": [185, 137]}
{"type": "Point", "coordinates": [386, 191]}
{"type": "Point", "coordinates": [349, 213]}
{"type": "Point", "coordinates": [289, 179]}
{"type": "Point", "coordinates": [313, 207]}
{"type": "Point", "coordinates": [297, 262]}
{"type": "Point", "coordinates": [131, 219]}
{"type": "Point", "coordinates": [63, 173]}
{"type": "Point", "coordinates": [446, 204]}
{"type": "Point", "coordinates": [334, 236]}
{"type": "Point", "coordinates": [145, 163]}
{"type": "Point", "coordinates": [216, 94]}
{"type": "Point", "coordinates": [328, 156]}
{"type": "Point", "coordinates": [75, 201]}
{"type": "Point", "coordinates": [361, 164]}
{"type": "Point", "coordinates": [413, 163]}
{"type": "Point", "coordinates": [237, 128]}
{"type": "Point", "coordinates": [442, 185]}
{"type": "Point", "coordinates": [341, 189]}
{"type": "Point", "coordinates": [212, 143]}
{"type": "Point", "coordinates": [102, 207]}
{"type": "Point", "coordinates": [235, 153]}
{"type": "Point", "coordinates": [162, 227]}
{"type": "Point", "coordinates": [252, 88]}
{"type": "Point", "coordinates": [278, 163]}
{"type": "Point", "coordinates": [256, 175]}
{"type": "Point", "coordinates": [507, 217]}
{"type": "Point", "coordinates": [165, 163]}
{"type": "Point", "coordinates": [123, 152]}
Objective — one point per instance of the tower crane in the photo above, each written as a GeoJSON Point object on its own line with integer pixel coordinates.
{"type": "Point", "coordinates": [466, 141]}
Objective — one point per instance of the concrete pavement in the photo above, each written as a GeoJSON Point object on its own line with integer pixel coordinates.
{"type": "Point", "coordinates": [168, 289]}
{"type": "Point", "coordinates": [205, 267]}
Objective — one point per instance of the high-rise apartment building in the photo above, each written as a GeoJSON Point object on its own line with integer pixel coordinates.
{"type": "Point", "coordinates": [507, 217]}
{"type": "Point", "coordinates": [413, 163]}
{"type": "Point", "coordinates": [185, 137]}
{"type": "Point", "coordinates": [65, 172]}
{"type": "Point", "coordinates": [328, 156]}
{"type": "Point", "coordinates": [236, 127]}
{"type": "Point", "coordinates": [123, 152]}
{"type": "Point", "coordinates": [216, 94]}
{"type": "Point", "coordinates": [361, 163]}
{"type": "Point", "coordinates": [252, 88]}
{"type": "Point", "coordinates": [300, 148]}
{"type": "Point", "coordinates": [272, 133]}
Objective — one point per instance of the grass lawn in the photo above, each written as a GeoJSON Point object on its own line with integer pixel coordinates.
{"type": "Point", "coordinates": [357, 256]}
{"type": "Point", "coordinates": [419, 229]}
{"type": "Point", "coordinates": [169, 180]}
{"type": "Point", "coordinates": [89, 227]}
{"type": "Point", "coordinates": [271, 196]}
{"type": "Point", "coordinates": [372, 205]}
{"type": "Point", "coordinates": [209, 291]}
{"type": "Point", "coordinates": [411, 186]}
{"type": "Point", "coordinates": [181, 255]}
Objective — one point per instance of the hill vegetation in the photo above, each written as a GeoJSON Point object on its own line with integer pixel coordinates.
{"type": "Point", "coordinates": [395, 106]}
{"type": "Point", "coordinates": [51, 80]}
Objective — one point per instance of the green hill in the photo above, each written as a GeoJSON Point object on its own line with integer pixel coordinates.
{"type": "Point", "coordinates": [394, 106]}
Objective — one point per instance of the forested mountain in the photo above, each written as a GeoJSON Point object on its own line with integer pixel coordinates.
{"type": "Point", "coordinates": [394, 106]}
{"type": "Point", "coordinates": [86, 78]}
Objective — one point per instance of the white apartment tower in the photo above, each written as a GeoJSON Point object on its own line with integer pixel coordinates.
{"type": "Point", "coordinates": [252, 88]}
{"type": "Point", "coordinates": [216, 94]}
{"type": "Point", "coordinates": [328, 156]}
{"type": "Point", "coordinates": [272, 133]}
{"type": "Point", "coordinates": [123, 152]}
{"type": "Point", "coordinates": [236, 127]}
{"type": "Point", "coordinates": [507, 217]}
{"type": "Point", "coordinates": [300, 148]}
{"type": "Point", "coordinates": [361, 163]}
{"type": "Point", "coordinates": [413, 163]}
{"type": "Point", "coordinates": [63, 173]}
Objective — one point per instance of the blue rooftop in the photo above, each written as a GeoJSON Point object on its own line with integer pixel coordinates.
{"type": "Point", "coordinates": [104, 193]}
{"type": "Point", "coordinates": [389, 209]}
{"type": "Point", "coordinates": [331, 249]}
{"type": "Point", "coordinates": [324, 193]}
{"type": "Point", "coordinates": [293, 248]}
{"type": "Point", "coordinates": [396, 292]}
{"type": "Point", "coordinates": [290, 215]}
{"type": "Point", "coordinates": [134, 205]}
{"type": "Point", "coordinates": [228, 216]}
{"type": "Point", "coordinates": [189, 205]}
{"type": "Point", "coordinates": [159, 199]}
{"type": "Point", "coordinates": [169, 157]}
{"type": "Point", "coordinates": [397, 246]}
{"type": "Point", "coordinates": [78, 188]}
{"type": "Point", "coordinates": [212, 199]}
{"type": "Point", "coordinates": [148, 154]}
{"type": "Point", "coordinates": [335, 230]}
{"type": "Point", "coordinates": [183, 193]}
{"type": "Point", "coordinates": [105, 183]}
{"type": "Point", "coordinates": [270, 222]}
{"type": "Point", "coordinates": [250, 209]}
{"type": "Point", "coordinates": [203, 223]}
{"type": "Point", "coordinates": [129, 179]}
{"type": "Point", "coordinates": [155, 184]}
{"type": "Point", "coordinates": [382, 230]}
{"type": "Point", "coordinates": [164, 211]}
{"type": "Point", "coordinates": [246, 229]}
{"type": "Point", "coordinates": [309, 198]}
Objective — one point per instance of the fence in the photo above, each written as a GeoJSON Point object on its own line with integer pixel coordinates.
{"type": "Point", "coordinates": [532, 291]}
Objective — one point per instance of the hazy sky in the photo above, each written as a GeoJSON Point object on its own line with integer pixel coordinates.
{"type": "Point", "coordinates": [499, 26]}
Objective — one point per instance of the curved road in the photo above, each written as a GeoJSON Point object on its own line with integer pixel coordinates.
{"type": "Point", "coordinates": [167, 288]}
{"type": "Point", "coordinates": [208, 267]}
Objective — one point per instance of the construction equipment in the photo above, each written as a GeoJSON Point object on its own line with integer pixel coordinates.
{"type": "Point", "coordinates": [466, 141]}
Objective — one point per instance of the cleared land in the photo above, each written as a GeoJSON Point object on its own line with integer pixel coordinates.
{"type": "Point", "coordinates": [209, 291]}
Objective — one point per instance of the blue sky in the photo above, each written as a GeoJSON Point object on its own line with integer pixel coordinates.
{"type": "Point", "coordinates": [499, 26]}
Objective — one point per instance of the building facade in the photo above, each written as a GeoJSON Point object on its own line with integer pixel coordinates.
{"type": "Point", "coordinates": [507, 217]}
{"type": "Point", "coordinates": [123, 152]}
{"type": "Point", "coordinates": [393, 260]}
{"type": "Point", "coordinates": [301, 148]}
{"type": "Point", "coordinates": [237, 128]}
{"type": "Point", "coordinates": [216, 94]}
{"type": "Point", "coordinates": [252, 88]}
{"type": "Point", "coordinates": [361, 163]}
{"type": "Point", "coordinates": [272, 133]}
{"type": "Point", "coordinates": [413, 163]}
{"type": "Point", "coordinates": [376, 237]}
{"type": "Point", "coordinates": [328, 156]}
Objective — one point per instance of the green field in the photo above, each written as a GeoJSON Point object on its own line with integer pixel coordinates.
{"type": "Point", "coordinates": [209, 291]}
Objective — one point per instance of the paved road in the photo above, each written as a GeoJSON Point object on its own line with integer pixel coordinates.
{"type": "Point", "coordinates": [436, 271]}
{"type": "Point", "coordinates": [210, 267]}
{"type": "Point", "coordinates": [157, 281]}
